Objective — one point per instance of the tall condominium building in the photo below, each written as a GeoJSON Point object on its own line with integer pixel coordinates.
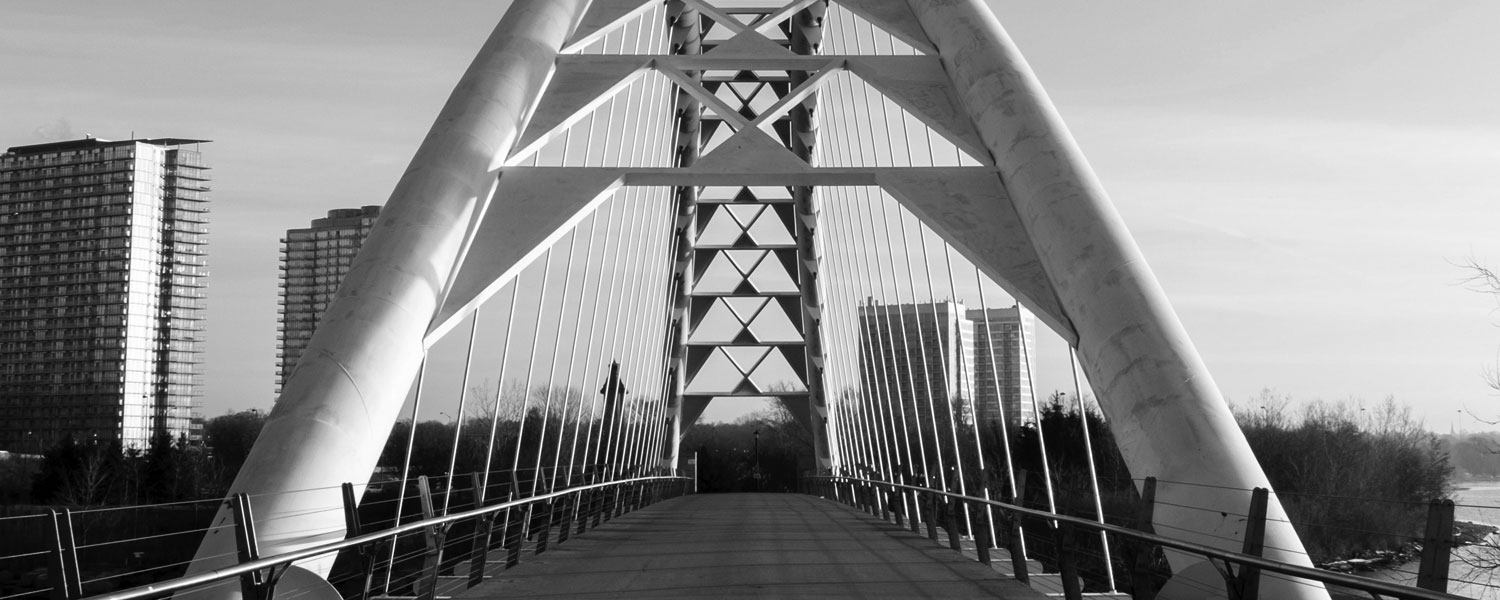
{"type": "Point", "coordinates": [1002, 379]}
{"type": "Point", "coordinates": [313, 263]}
{"type": "Point", "coordinates": [101, 291]}
{"type": "Point", "coordinates": [937, 354]}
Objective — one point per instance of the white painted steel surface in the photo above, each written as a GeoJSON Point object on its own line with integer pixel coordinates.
{"type": "Point", "coordinates": [340, 403]}
{"type": "Point", "coordinates": [1163, 406]}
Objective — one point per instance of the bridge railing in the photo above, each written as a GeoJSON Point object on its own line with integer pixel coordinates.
{"type": "Point", "coordinates": [937, 508]}
{"type": "Point", "coordinates": [506, 525]}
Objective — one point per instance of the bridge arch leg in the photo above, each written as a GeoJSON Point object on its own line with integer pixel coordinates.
{"type": "Point", "coordinates": [343, 398]}
{"type": "Point", "coordinates": [1167, 413]}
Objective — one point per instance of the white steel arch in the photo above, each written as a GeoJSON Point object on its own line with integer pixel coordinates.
{"type": "Point", "coordinates": [465, 218]}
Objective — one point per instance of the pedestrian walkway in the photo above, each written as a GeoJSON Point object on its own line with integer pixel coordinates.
{"type": "Point", "coordinates": [749, 546]}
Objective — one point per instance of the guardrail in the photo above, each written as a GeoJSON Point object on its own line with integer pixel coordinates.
{"type": "Point", "coordinates": [1241, 570]}
{"type": "Point", "coordinates": [258, 575]}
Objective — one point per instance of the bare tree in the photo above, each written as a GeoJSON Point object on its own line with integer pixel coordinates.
{"type": "Point", "coordinates": [88, 485]}
{"type": "Point", "coordinates": [1484, 280]}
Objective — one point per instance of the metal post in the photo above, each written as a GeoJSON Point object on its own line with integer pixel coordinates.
{"type": "Point", "coordinates": [253, 585]}
{"type": "Point", "coordinates": [1437, 545]}
{"type": "Point", "coordinates": [513, 536]}
{"type": "Point", "coordinates": [982, 535]}
{"type": "Point", "coordinates": [579, 512]}
{"type": "Point", "coordinates": [915, 502]}
{"type": "Point", "coordinates": [484, 527]}
{"type": "Point", "coordinates": [1246, 585]}
{"type": "Point", "coordinates": [932, 516]}
{"type": "Point", "coordinates": [353, 528]}
{"type": "Point", "coordinates": [954, 540]}
{"type": "Point", "coordinates": [62, 566]}
{"type": "Point", "coordinates": [564, 515]}
{"type": "Point", "coordinates": [541, 525]}
{"type": "Point", "coordinates": [1066, 563]}
{"type": "Point", "coordinates": [601, 497]}
{"type": "Point", "coordinates": [897, 508]}
{"type": "Point", "coordinates": [1141, 585]}
{"type": "Point", "coordinates": [432, 538]}
{"type": "Point", "coordinates": [1017, 550]}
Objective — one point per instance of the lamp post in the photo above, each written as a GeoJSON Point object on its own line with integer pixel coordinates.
{"type": "Point", "coordinates": [757, 474]}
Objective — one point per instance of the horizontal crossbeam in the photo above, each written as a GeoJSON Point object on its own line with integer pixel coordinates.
{"type": "Point", "coordinates": [812, 176]}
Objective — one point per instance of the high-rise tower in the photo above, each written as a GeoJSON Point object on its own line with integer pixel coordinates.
{"type": "Point", "coordinates": [313, 263]}
{"type": "Point", "coordinates": [101, 290]}
{"type": "Point", "coordinates": [935, 354]}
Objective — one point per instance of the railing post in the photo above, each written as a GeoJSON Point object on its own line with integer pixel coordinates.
{"type": "Point", "coordinates": [563, 514]}
{"type": "Point", "coordinates": [354, 528]}
{"type": "Point", "coordinates": [982, 541]}
{"type": "Point", "coordinates": [1246, 585]}
{"type": "Point", "coordinates": [1437, 545]}
{"type": "Point", "coordinates": [895, 509]}
{"type": "Point", "coordinates": [954, 538]}
{"type": "Point", "coordinates": [514, 535]}
{"type": "Point", "coordinates": [484, 527]}
{"type": "Point", "coordinates": [1140, 575]}
{"type": "Point", "coordinates": [432, 537]}
{"type": "Point", "coordinates": [62, 569]}
{"type": "Point", "coordinates": [1016, 547]}
{"type": "Point", "coordinates": [600, 501]}
{"type": "Point", "coordinates": [541, 526]}
{"type": "Point", "coordinates": [910, 498]}
{"type": "Point", "coordinates": [932, 515]}
{"type": "Point", "coordinates": [254, 585]}
{"type": "Point", "coordinates": [1062, 535]}
{"type": "Point", "coordinates": [585, 506]}
{"type": "Point", "coordinates": [1018, 498]}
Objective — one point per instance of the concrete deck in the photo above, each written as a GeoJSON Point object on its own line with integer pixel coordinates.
{"type": "Point", "coordinates": [748, 546]}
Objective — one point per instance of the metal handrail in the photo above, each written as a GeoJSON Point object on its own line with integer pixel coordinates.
{"type": "Point", "coordinates": [191, 581]}
{"type": "Point", "coordinates": [1350, 581]}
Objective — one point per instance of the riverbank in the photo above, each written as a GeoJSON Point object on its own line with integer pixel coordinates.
{"type": "Point", "coordinates": [1474, 569]}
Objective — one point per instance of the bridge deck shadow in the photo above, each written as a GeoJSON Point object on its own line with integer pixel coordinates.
{"type": "Point", "coordinates": [748, 546]}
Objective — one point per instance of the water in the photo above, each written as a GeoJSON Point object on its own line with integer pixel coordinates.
{"type": "Point", "coordinates": [1475, 570]}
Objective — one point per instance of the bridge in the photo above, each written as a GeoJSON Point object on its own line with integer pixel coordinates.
{"type": "Point", "coordinates": [827, 205]}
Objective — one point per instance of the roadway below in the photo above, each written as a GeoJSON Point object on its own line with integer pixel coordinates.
{"type": "Point", "coordinates": [748, 546]}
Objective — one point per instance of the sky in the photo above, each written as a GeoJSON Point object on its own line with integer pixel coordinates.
{"type": "Point", "coordinates": [1304, 178]}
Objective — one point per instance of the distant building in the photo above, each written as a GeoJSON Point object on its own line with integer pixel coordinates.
{"type": "Point", "coordinates": [1002, 380]}
{"type": "Point", "coordinates": [929, 354]}
{"type": "Point", "coordinates": [314, 261]}
{"type": "Point", "coordinates": [101, 291]}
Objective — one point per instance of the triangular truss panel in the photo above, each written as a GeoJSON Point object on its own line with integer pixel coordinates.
{"type": "Point", "coordinates": [539, 207]}
{"type": "Point", "coordinates": [598, 111]}
{"type": "Point", "coordinates": [881, 24]}
{"type": "Point", "coordinates": [609, 16]}
{"type": "Point", "coordinates": [908, 117]}
{"type": "Point", "coordinates": [746, 246]}
{"type": "Point", "coordinates": [972, 213]}
{"type": "Point", "coordinates": [577, 89]}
